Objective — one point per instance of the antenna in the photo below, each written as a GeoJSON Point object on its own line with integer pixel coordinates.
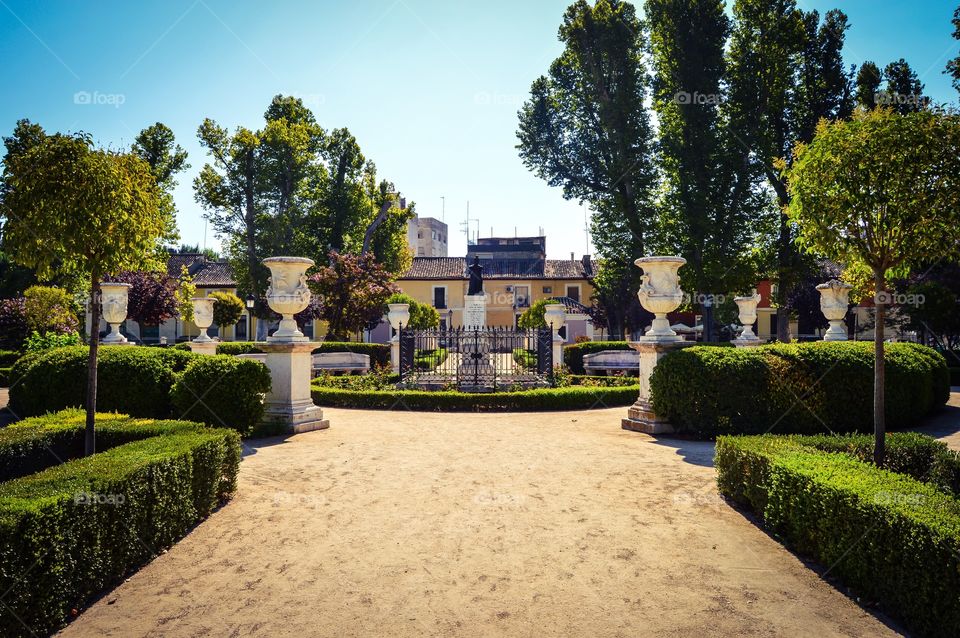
{"type": "Point", "coordinates": [586, 227]}
{"type": "Point", "coordinates": [443, 208]}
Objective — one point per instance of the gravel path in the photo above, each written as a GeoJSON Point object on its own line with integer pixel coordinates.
{"type": "Point", "coordinates": [411, 524]}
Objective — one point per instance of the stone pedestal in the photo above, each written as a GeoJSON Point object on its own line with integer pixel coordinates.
{"type": "Point", "coordinates": [640, 416]}
{"type": "Point", "coordinates": [289, 401]}
{"type": "Point", "coordinates": [395, 354]}
{"type": "Point", "coordinates": [747, 343]}
{"type": "Point", "coordinates": [203, 347]}
{"type": "Point", "coordinates": [474, 311]}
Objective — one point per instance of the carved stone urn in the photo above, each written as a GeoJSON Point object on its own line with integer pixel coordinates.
{"type": "Point", "coordinates": [834, 303]}
{"type": "Point", "coordinates": [555, 315]}
{"type": "Point", "coordinates": [114, 301]}
{"type": "Point", "coordinates": [398, 315]}
{"type": "Point", "coordinates": [748, 315]}
{"type": "Point", "coordinates": [202, 317]}
{"type": "Point", "coordinates": [288, 294]}
{"type": "Point", "coordinates": [660, 294]}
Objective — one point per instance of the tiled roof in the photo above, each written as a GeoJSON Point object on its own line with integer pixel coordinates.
{"type": "Point", "coordinates": [205, 273]}
{"type": "Point", "coordinates": [572, 306]}
{"type": "Point", "coordinates": [456, 268]}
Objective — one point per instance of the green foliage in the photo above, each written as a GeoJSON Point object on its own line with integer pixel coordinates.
{"type": "Point", "coordinates": [422, 316]}
{"type": "Point", "coordinates": [533, 317]}
{"type": "Point", "coordinates": [83, 525]}
{"type": "Point", "coordinates": [9, 357]}
{"type": "Point", "coordinates": [49, 309]}
{"type": "Point", "coordinates": [383, 380]}
{"type": "Point", "coordinates": [571, 398]}
{"type": "Point", "coordinates": [227, 308]}
{"type": "Point", "coordinates": [222, 391]}
{"type": "Point", "coordinates": [237, 347]}
{"type": "Point", "coordinates": [37, 342]}
{"type": "Point", "coordinates": [953, 66]}
{"type": "Point", "coordinates": [525, 358]}
{"type": "Point", "coordinates": [352, 291]}
{"type": "Point", "coordinates": [186, 291]}
{"type": "Point", "coordinates": [573, 354]}
{"type": "Point", "coordinates": [429, 359]}
{"type": "Point", "coordinates": [807, 388]}
{"type": "Point", "coordinates": [823, 504]}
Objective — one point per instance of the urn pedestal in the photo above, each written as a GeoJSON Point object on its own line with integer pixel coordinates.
{"type": "Point", "coordinates": [114, 298]}
{"type": "Point", "coordinates": [288, 351]}
{"type": "Point", "coordinates": [660, 294]}
{"type": "Point", "coordinates": [203, 319]}
{"type": "Point", "coordinates": [641, 416]}
{"type": "Point", "coordinates": [555, 315]}
{"type": "Point", "coordinates": [399, 316]}
{"type": "Point", "coordinates": [748, 315]}
{"type": "Point", "coordinates": [834, 302]}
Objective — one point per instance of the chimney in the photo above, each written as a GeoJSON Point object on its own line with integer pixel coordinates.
{"type": "Point", "coordinates": [572, 257]}
{"type": "Point", "coordinates": [587, 266]}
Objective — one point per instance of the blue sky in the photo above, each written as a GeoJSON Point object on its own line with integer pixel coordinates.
{"type": "Point", "coordinates": [430, 88]}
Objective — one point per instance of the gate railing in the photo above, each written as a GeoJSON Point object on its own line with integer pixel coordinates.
{"type": "Point", "coordinates": [476, 358]}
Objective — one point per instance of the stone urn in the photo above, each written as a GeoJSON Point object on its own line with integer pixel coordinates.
{"type": "Point", "coordinates": [555, 315]}
{"type": "Point", "coordinates": [834, 303]}
{"type": "Point", "coordinates": [202, 317]}
{"type": "Point", "coordinates": [398, 315]}
{"type": "Point", "coordinates": [748, 315]}
{"type": "Point", "coordinates": [114, 302]}
{"type": "Point", "coordinates": [288, 294]}
{"type": "Point", "coordinates": [660, 294]}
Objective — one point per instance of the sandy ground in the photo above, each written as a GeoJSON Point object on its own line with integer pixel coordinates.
{"type": "Point", "coordinates": [410, 524]}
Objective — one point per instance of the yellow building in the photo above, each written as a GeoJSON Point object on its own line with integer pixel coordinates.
{"type": "Point", "coordinates": [511, 284]}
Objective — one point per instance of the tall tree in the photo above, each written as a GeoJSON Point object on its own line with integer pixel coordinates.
{"type": "Point", "coordinates": [710, 199]}
{"type": "Point", "coordinates": [73, 209]}
{"type": "Point", "coordinates": [869, 78]}
{"type": "Point", "coordinates": [352, 291]}
{"type": "Point", "coordinates": [953, 66]}
{"type": "Point", "coordinates": [881, 190]}
{"type": "Point", "coordinates": [785, 74]}
{"type": "Point", "coordinates": [157, 146]}
{"type": "Point", "coordinates": [586, 130]}
{"type": "Point", "coordinates": [904, 90]}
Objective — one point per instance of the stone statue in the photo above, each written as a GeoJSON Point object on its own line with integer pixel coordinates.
{"type": "Point", "coordinates": [476, 278]}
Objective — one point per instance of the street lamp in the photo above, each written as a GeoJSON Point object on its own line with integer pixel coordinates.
{"type": "Point", "coordinates": [251, 301]}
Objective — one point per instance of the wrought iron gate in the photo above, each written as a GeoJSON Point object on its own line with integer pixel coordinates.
{"type": "Point", "coordinates": [476, 359]}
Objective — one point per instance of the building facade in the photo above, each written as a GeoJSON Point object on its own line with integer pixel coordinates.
{"type": "Point", "coordinates": [427, 237]}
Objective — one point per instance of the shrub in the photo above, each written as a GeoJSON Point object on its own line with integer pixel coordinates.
{"type": "Point", "coordinates": [429, 359]}
{"type": "Point", "coordinates": [37, 342]}
{"type": "Point", "coordinates": [131, 380]}
{"type": "Point", "coordinates": [13, 323]}
{"type": "Point", "coordinates": [227, 308]}
{"type": "Point", "coordinates": [804, 388]}
{"type": "Point", "coordinates": [81, 526]}
{"type": "Point", "coordinates": [234, 348]}
{"type": "Point", "coordinates": [372, 381]}
{"type": "Point", "coordinates": [570, 398]}
{"type": "Point", "coordinates": [222, 391]}
{"type": "Point", "coordinates": [525, 358]}
{"type": "Point", "coordinates": [573, 354]}
{"type": "Point", "coordinates": [379, 352]}
{"type": "Point", "coordinates": [9, 357]}
{"type": "Point", "coordinates": [50, 309]}
{"type": "Point", "coordinates": [906, 534]}
{"type": "Point", "coordinates": [422, 316]}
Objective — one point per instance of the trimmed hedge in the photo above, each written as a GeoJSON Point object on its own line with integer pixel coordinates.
{"type": "Point", "coordinates": [9, 357]}
{"type": "Point", "coordinates": [379, 352]}
{"type": "Point", "coordinates": [79, 527]}
{"type": "Point", "coordinates": [570, 398]}
{"type": "Point", "coordinates": [222, 391]}
{"type": "Point", "coordinates": [144, 382]}
{"type": "Point", "coordinates": [807, 388]}
{"type": "Point", "coordinates": [233, 348]}
{"type": "Point", "coordinates": [888, 536]}
{"type": "Point", "coordinates": [573, 354]}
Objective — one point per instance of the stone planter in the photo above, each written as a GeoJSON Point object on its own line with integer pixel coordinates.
{"type": "Point", "coordinates": [202, 317]}
{"type": "Point", "coordinates": [114, 298]}
{"type": "Point", "coordinates": [660, 294]}
{"type": "Point", "coordinates": [834, 302]}
{"type": "Point", "coordinates": [748, 315]}
{"type": "Point", "coordinates": [288, 294]}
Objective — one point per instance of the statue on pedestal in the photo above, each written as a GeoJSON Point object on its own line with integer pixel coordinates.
{"type": "Point", "coordinates": [476, 278]}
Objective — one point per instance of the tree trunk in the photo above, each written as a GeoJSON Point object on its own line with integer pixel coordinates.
{"type": "Point", "coordinates": [879, 413]}
{"type": "Point", "coordinates": [90, 446]}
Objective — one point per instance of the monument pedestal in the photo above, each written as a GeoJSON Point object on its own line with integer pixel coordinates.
{"type": "Point", "coordinates": [289, 401]}
{"type": "Point", "coordinates": [640, 416]}
{"type": "Point", "coordinates": [203, 347]}
{"type": "Point", "coordinates": [747, 343]}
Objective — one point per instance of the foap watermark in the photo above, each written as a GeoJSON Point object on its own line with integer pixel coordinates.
{"type": "Point", "coordinates": [703, 99]}
{"type": "Point", "coordinates": [96, 98]}
{"type": "Point", "coordinates": [697, 499]}
{"type": "Point", "coordinates": [890, 98]}
{"type": "Point", "coordinates": [894, 498]}
{"type": "Point", "coordinates": [888, 298]}
{"type": "Point", "coordinates": [704, 299]}
{"type": "Point", "coordinates": [288, 499]}
{"type": "Point", "coordinates": [97, 498]}
{"type": "Point", "coordinates": [310, 100]}
{"type": "Point", "coordinates": [487, 98]}
{"type": "Point", "coordinates": [497, 498]}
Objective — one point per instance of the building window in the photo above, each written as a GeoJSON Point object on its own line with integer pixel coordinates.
{"type": "Point", "coordinates": [521, 296]}
{"type": "Point", "coordinates": [307, 329]}
{"type": "Point", "coordinates": [574, 292]}
{"type": "Point", "coordinates": [150, 334]}
{"type": "Point", "coordinates": [213, 330]}
{"type": "Point", "coordinates": [420, 251]}
{"type": "Point", "coordinates": [548, 290]}
{"type": "Point", "coordinates": [440, 297]}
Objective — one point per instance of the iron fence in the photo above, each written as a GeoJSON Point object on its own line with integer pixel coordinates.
{"type": "Point", "coordinates": [476, 359]}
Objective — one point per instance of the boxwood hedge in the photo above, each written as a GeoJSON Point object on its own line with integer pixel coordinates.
{"type": "Point", "coordinates": [795, 388]}
{"type": "Point", "coordinates": [79, 527]}
{"type": "Point", "coordinates": [143, 382]}
{"type": "Point", "coordinates": [379, 352]}
{"type": "Point", "coordinates": [890, 537]}
{"type": "Point", "coordinates": [569, 398]}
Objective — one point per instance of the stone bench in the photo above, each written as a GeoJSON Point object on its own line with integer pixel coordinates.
{"type": "Point", "coordinates": [607, 361]}
{"type": "Point", "coordinates": [336, 362]}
